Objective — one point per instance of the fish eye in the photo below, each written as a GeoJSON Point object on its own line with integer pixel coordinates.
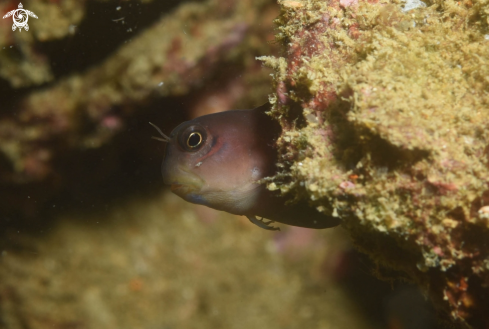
{"type": "Point", "coordinates": [194, 140]}
{"type": "Point", "coordinates": [191, 138]}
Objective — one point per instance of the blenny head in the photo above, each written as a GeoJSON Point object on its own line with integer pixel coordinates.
{"type": "Point", "coordinates": [217, 159]}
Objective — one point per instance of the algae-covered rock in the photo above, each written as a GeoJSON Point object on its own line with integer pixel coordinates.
{"type": "Point", "coordinates": [152, 262]}
{"type": "Point", "coordinates": [384, 106]}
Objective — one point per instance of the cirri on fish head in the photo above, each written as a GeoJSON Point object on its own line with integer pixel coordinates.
{"type": "Point", "coordinates": [216, 160]}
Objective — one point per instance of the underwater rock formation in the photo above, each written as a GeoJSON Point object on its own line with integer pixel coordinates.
{"type": "Point", "coordinates": [179, 54]}
{"type": "Point", "coordinates": [151, 262]}
{"type": "Point", "coordinates": [384, 110]}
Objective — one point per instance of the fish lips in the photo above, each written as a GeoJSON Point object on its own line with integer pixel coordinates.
{"type": "Point", "coordinates": [182, 182]}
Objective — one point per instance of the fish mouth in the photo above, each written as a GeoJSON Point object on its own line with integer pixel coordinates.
{"type": "Point", "coordinates": [184, 188]}
{"type": "Point", "coordinates": [180, 176]}
{"type": "Point", "coordinates": [183, 182]}
{"type": "Point", "coordinates": [181, 179]}
{"type": "Point", "coordinates": [189, 192]}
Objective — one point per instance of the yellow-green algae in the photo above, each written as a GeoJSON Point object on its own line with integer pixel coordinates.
{"type": "Point", "coordinates": [393, 135]}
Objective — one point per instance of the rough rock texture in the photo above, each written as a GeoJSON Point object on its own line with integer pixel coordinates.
{"type": "Point", "coordinates": [385, 119]}
{"type": "Point", "coordinates": [154, 263]}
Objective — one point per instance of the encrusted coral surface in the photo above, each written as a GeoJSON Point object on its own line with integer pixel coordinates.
{"type": "Point", "coordinates": [391, 135]}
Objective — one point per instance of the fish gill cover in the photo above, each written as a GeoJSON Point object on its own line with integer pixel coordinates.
{"type": "Point", "coordinates": [393, 135]}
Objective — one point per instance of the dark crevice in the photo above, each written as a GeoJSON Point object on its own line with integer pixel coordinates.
{"type": "Point", "coordinates": [384, 154]}
{"type": "Point", "coordinates": [105, 27]}
{"type": "Point", "coordinates": [9, 97]}
{"type": "Point", "coordinates": [99, 34]}
{"type": "Point", "coordinates": [352, 142]}
{"type": "Point", "coordinates": [127, 167]}
{"type": "Point", "coordinates": [350, 149]}
{"type": "Point", "coordinates": [386, 302]}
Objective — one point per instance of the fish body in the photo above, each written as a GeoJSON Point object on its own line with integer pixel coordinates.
{"type": "Point", "coordinates": [216, 160]}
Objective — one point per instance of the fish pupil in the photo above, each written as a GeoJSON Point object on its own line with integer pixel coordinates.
{"type": "Point", "coordinates": [194, 140]}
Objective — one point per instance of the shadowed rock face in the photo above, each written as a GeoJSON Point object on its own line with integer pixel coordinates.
{"type": "Point", "coordinates": [392, 135]}
{"type": "Point", "coordinates": [161, 62]}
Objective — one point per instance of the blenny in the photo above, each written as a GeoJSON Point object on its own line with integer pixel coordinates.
{"type": "Point", "coordinates": [216, 160]}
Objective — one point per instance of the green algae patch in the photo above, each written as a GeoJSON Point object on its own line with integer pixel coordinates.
{"type": "Point", "coordinates": [384, 109]}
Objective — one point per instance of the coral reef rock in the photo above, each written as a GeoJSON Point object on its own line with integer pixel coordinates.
{"type": "Point", "coordinates": [384, 110]}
